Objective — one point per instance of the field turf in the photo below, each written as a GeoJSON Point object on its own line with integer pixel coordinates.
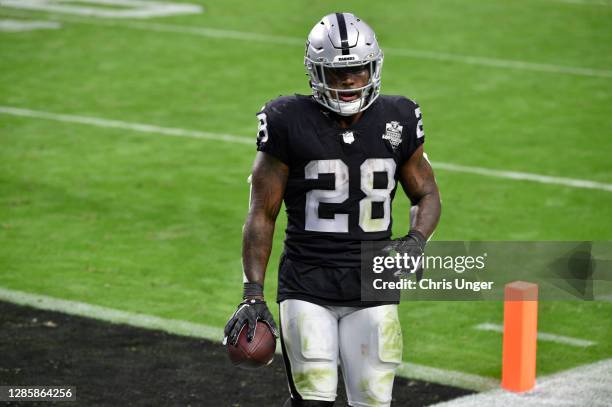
{"type": "Point", "coordinates": [152, 224]}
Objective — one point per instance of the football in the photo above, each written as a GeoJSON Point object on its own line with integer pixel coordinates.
{"type": "Point", "coordinates": [257, 353]}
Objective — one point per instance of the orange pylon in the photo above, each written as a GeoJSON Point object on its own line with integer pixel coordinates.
{"type": "Point", "coordinates": [520, 336]}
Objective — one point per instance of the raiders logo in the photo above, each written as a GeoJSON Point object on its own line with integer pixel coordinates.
{"type": "Point", "coordinates": [393, 133]}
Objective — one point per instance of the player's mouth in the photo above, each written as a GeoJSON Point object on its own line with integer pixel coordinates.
{"type": "Point", "coordinates": [349, 96]}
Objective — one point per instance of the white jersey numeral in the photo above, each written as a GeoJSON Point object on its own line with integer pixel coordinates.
{"type": "Point", "coordinates": [340, 193]}
{"type": "Point", "coordinates": [367, 169]}
{"type": "Point", "coordinates": [419, 128]}
{"type": "Point", "coordinates": [340, 222]}
{"type": "Point", "coordinates": [262, 132]}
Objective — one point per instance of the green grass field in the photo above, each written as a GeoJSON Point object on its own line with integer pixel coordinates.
{"type": "Point", "coordinates": [152, 224]}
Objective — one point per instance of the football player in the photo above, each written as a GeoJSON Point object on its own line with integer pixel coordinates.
{"type": "Point", "coordinates": [334, 158]}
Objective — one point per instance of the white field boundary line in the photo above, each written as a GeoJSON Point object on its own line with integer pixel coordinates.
{"type": "Point", "coordinates": [117, 124]}
{"type": "Point", "coordinates": [586, 385]}
{"type": "Point", "coordinates": [542, 336]}
{"type": "Point", "coordinates": [586, 2]}
{"type": "Point", "coordinates": [286, 40]}
{"type": "Point", "coordinates": [607, 298]}
{"type": "Point", "coordinates": [9, 25]}
{"type": "Point", "coordinates": [524, 176]}
{"type": "Point", "coordinates": [177, 132]}
{"type": "Point", "coordinates": [407, 370]}
{"type": "Point", "coordinates": [100, 8]}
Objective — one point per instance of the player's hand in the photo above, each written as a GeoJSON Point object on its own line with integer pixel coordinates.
{"type": "Point", "coordinates": [413, 244]}
{"type": "Point", "coordinates": [249, 312]}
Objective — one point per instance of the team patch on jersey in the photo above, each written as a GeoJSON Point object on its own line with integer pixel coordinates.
{"type": "Point", "coordinates": [348, 137]}
{"type": "Point", "coordinates": [393, 133]}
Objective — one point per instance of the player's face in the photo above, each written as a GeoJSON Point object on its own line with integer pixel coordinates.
{"type": "Point", "coordinates": [354, 77]}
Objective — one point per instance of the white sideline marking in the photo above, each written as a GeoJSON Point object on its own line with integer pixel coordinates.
{"type": "Point", "coordinates": [524, 176]}
{"type": "Point", "coordinates": [117, 124]}
{"type": "Point", "coordinates": [501, 63]}
{"type": "Point", "coordinates": [542, 336]}
{"type": "Point", "coordinates": [587, 2]}
{"type": "Point", "coordinates": [21, 25]}
{"type": "Point", "coordinates": [169, 131]}
{"type": "Point", "coordinates": [607, 298]}
{"type": "Point", "coordinates": [125, 9]}
{"type": "Point", "coordinates": [446, 377]}
{"type": "Point", "coordinates": [408, 370]}
{"type": "Point", "coordinates": [588, 385]}
{"type": "Point", "coordinates": [402, 52]}
{"type": "Point", "coordinates": [112, 315]}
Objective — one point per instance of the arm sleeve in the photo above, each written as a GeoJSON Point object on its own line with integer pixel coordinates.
{"type": "Point", "coordinates": [272, 134]}
{"type": "Point", "coordinates": [414, 135]}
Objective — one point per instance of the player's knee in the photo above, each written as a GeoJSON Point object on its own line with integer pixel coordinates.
{"type": "Point", "coordinates": [376, 381]}
{"type": "Point", "coordinates": [310, 350]}
{"type": "Point", "coordinates": [307, 403]}
{"type": "Point", "coordinates": [390, 341]}
{"type": "Point", "coordinates": [316, 382]}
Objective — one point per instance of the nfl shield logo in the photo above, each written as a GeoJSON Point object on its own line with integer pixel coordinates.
{"type": "Point", "coordinates": [348, 137]}
{"type": "Point", "coordinates": [393, 133]}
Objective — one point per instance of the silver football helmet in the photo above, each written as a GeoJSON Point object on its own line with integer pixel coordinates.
{"type": "Point", "coordinates": [342, 40]}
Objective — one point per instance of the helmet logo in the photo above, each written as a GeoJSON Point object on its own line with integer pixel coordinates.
{"type": "Point", "coordinates": [348, 137]}
{"type": "Point", "coordinates": [344, 58]}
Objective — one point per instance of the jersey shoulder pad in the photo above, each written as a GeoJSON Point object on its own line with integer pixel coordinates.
{"type": "Point", "coordinates": [400, 105]}
{"type": "Point", "coordinates": [408, 113]}
{"type": "Point", "coordinates": [283, 107]}
{"type": "Point", "coordinates": [275, 119]}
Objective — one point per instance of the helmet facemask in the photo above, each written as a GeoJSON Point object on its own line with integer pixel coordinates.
{"type": "Point", "coordinates": [326, 81]}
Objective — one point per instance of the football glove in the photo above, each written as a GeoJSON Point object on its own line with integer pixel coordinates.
{"type": "Point", "coordinates": [249, 312]}
{"type": "Point", "coordinates": [413, 244]}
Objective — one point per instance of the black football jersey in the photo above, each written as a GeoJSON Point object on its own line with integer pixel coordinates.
{"type": "Point", "coordinates": [341, 181]}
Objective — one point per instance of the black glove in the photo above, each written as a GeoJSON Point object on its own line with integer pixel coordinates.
{"type": "Point", "coordinates": [249, 312]}
{"type": "Point", "coordinates": [413, 244]}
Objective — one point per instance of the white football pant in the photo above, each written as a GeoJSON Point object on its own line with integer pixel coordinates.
{"type": "Point", "coordinates": [366, 341]}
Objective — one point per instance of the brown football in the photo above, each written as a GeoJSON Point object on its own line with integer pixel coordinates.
{"type": "Point", "coordinates": [257, 353]}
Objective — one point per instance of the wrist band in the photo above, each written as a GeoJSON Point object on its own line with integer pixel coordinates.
{"type": "Point", "coordinates": [252, 290]}
{"type": "Point", "coordinates": [418, 236]}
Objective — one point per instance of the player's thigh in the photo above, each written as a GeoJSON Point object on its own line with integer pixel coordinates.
{"type": "Point", "coordinates": [370, 351]}
{"type": "Point", "coordinates": [309, 335]}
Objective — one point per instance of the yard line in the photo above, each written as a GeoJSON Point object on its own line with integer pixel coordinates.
{"type": "Point", "coordinates": [586, 2]}
{"type": "Point", "coordinates": [607, 298]}
{"type": "Point", "coordinates": [108, 8]}
{"type": "Point", "coordinates": [9, 25]}
{"type": "Point", "coordinates": [177, 132]}
{"type": "Point", "coordinates": [524, 176]}
{"type": "Point", "coordinates": [500, 63]}
{"type": "Point", "coordinates": [542, 336]}
{"type": "Point", "coordinates": [287, 40]}
{"type": "Point", "coordinates": [185, 328]}
{"type": "Point", "coordinates": [118, 124]}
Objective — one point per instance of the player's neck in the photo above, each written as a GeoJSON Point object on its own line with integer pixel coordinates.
{"type": "Point", "coordinates": [348, 121]}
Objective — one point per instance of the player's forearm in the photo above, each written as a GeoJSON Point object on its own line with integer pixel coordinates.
{"type": "Point", "coordinates": [267, 188]}
{"type": "Point", "coordinates": [256, 246]}
{"type": "Point", "coordinates": [419, 183]}
{"type": "Point", "coordinates": [428, 213]}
